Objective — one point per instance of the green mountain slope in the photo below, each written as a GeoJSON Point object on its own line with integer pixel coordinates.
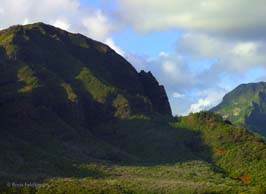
{"type": "Point", "coordinates": [246, 105]}
{"type": "Point", "coordinates": [55, 87]}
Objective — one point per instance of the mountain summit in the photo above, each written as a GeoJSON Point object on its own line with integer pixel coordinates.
{"type": "Point", "coordinates": [72, 76]}
{"type": "Point", "coordinates": [246, 105]}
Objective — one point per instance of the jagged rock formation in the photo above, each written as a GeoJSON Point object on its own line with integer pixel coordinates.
{"type": "Point", "coordinates": [156, 93]}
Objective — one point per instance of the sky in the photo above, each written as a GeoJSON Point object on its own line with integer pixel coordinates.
{"type": "Point", "coordinates": [198, 49]}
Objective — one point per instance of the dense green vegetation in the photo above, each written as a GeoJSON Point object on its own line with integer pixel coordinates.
{"type": "Point", "coordinates": [189, 177]}
{"type": "Point", "coordinates": [26, 75]}
{"type": "Point", "coordinates": [199, 153]}
{"type": "Point", "coordinates": [237, 151]}
{"type": "Point", "coordinates": [245, 106]}
{"type": "Point", "coordinates": [96, 88]}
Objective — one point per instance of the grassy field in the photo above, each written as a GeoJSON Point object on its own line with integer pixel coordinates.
{"type": "Point", "coordinates": [186, 177]}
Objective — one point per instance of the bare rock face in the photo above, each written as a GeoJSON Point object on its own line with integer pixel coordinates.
{"type": "Point", "coordinates": [156, 93]}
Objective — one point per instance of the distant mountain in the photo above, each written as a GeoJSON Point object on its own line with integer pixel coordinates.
{"type": "Point", "coordinates": [246, 105]}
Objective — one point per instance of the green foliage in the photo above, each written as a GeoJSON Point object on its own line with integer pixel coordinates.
{"type": "Point", "coordinates": [94, 86]}
{"type": "Point", "coordinates": [6, 41]}
{"type": "Point", "coordinates": [185, 178]}
{"type": "Point", "coordinates": [121, 105]}
{"type": "Point", "coordinates": [234, 149]}
{"type": "Point", "coordinates": [70, 93]}
{"type": "Point", "coordinates": [5, 38]}
{"type": "Point", "coordinates": [26, 75]}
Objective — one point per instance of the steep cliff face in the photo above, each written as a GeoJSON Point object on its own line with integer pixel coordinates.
{"type": "Point", "coordinates": [156, 93]}
{"type": "Point", "coordinates": [81, 80]}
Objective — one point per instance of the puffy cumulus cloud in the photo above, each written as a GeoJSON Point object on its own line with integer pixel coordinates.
{"type": "Point", "coordinates": [17, 11]}
{"type": "Point", "coordinates": [239, 18]}
{"type": "Point", "coordinates": [172, 69]}
{"type": "Point", "coordinates": [230, 56]}
{"type": "Point", "coordinates": [207, 99]}
{"type": "Point", "coordinates": [200, 105]}
{"type": "Point", "coordinates": [97, 25]}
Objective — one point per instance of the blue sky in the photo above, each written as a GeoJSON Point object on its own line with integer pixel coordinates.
{"type": "Point", "coordinates": [199, 50]}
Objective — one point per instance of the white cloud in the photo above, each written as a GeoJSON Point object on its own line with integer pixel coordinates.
{"type": "Point", "coordinates": [178, 95]}
{"type": "Point", "coordinates": [200, 105]}
{"type": "Point", "coordinates": [112, 44]}
{"type": "Point", "coordinates": [97, 26]}
{"type": "Point", "coordinates": [207, 99]}
{"type": "Point", "coordinates": [175, 71]}
{"type": "Point", "coordinates": [230, 55]}
{"type": "Point", "coordinates": [61, 23]}
{"type": "Point", "coordinates": [172, 69]}
{"type": "Point", "coordinates": [35, 11]}
{"type": "Point", "coordinates": [219, 16]}
{"type": "Point", "coordinates": [246, 48]}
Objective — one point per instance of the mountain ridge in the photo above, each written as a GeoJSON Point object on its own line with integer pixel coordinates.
{"type": "Point", "coordinates": [71, 47]}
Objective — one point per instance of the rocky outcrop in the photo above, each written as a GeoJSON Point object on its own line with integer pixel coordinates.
{"type": "Point", "coordinates": [156, 93]}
